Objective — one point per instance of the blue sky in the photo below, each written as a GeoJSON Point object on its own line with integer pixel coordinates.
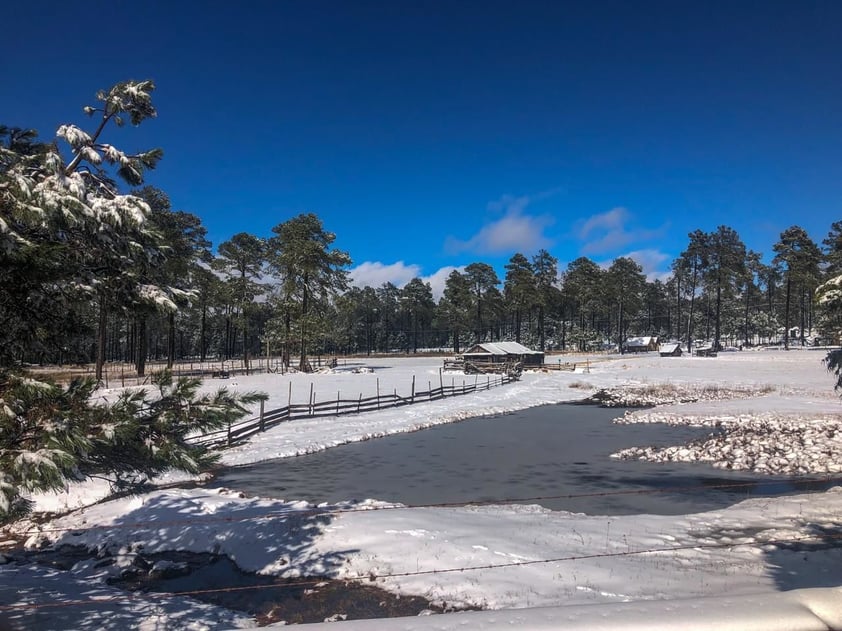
{"type": "Point", "coordinates": [428, 135]}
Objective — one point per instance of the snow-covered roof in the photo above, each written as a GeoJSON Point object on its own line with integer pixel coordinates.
{"type": "Point", "coordinates": [669, 348]}
{"type": "Point", "coordinates": [501, 348]}
{"type": "Point", "coordinates": [641, 341]}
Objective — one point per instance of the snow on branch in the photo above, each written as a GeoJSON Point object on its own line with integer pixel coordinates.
{"type": "Point", "coordinates": [156, 296]}
{"type": "Point", "coordinates": [73, 135]}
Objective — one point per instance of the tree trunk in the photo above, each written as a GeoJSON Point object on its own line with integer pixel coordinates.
{"type": "Point", "coordinates": [202, 328]}
{"type": "Point", "coordinates": [100, 340]}
{"type": "Point", "coordinates": [786, 313]}
{"type": "Point", "coordinates": [803, 319]}
{"type": "Point", "coordinates": [142, 348]}
{"type": "Point", "coordinates": [745, 319]}
{"type": "Point", "coordinates": [690, 316]}
{"type": "Point", "coordinates": [227, 334]}
{"type": "Point", "coordinates": [303, 364]}
{"type": "Point", "coordinates": [285, 356]}
{"type": "Point", "coordinates": [517, 325]}
{"type": "Point", "coordinates": [245, 342]}
{"type": "Point", "coordinates": [170, 340]}
{"type": "Point", "coordinates": [717, 325]}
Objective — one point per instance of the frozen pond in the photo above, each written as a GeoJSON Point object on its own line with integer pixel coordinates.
{"type": "Point", "coordinates": [540, 455]}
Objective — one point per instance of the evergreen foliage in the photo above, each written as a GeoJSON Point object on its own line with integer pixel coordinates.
{"type": "Point", "coordinates": [310, 274]}
{"type": "Point", "coordinates": [51, 434]}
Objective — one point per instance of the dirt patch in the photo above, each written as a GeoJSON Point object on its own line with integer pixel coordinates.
{"type": "Point", "coordinates": [217, 580]}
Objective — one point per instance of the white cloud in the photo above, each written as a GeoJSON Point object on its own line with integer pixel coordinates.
{"type": "Point", "coordinates": [515, 231]}
{"type": "Point", "coordinates": [655, 263]}
{"type": "Point", "coordinates": [609, 231]}
{"type": "Point", "coordinates": [437, 279]}
{"type": "Point", "coordinates": [374, 274]}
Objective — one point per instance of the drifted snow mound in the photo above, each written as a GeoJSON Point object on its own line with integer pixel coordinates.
{"type": "Point", "coordinates": [766, 443]}
{"type": "Point", "coordinates": [661, 394]}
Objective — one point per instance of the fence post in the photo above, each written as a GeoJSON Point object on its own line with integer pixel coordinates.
{"type": "Point", "coordinates": [378, 393]}
{"type": "Point", "coordinates": [430, 390]}
{"type": "Point", "coordinates": [488, 382]}
{"type": "Point", "coordinates": [229, 434]}
{"type": "Point", "coordinates": [289, 398]}
{"type": "Point", "coordinates": [441, 382]}
{"type": "Point", "coordinates": [463, 386]}
{"type": "Point", "coordinates": [337, 402]}
{"type": "Point", "coordinates": [311, 398]}
{"type": "Point", "coordinates": [359, 402]}
{"type": "Point", "coordinates": [412, 396]}
{"type": "Point", "coordinates": [262, 425]}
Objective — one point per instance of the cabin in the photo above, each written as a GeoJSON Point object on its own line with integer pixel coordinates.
{"type": "Point", "coordinates": [673, 349]}
{"type": "Point", "coordinates": [641, 344]}
{"type": "Point", "coordinates": [705, 351]}
{"type": "Point", "coordinates": [497, 353]}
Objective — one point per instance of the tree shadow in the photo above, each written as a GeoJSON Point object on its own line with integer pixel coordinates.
{"type": "Point", "coordinates": [813, 563]}
{"type": "Point", "coordinates": [259, 536]}
{"type": "Point", "coordinates": [816, 562]}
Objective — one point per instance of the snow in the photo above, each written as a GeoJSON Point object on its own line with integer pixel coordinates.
{"type": "Point", "coordinates": [495, 557]}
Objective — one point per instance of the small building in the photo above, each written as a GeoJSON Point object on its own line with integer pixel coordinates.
{"type": "Point", "coordinates": [705, 351]}
{"type": "Point", "coordinates": [673, 349]}
{"type": "Point", "coordinates": [503, 353]}
{"type": "Point", "coordinates": [641, 344]}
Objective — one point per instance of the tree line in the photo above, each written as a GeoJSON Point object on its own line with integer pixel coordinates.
{"type": "Point", "coordinates": [90, 274]}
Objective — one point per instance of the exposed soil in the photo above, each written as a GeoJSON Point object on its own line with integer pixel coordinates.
{"type": "Point", "coordinates": [217, 580]}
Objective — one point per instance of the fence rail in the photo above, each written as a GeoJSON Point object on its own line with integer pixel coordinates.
{"type": "Point", "coordinates": [241, 430]}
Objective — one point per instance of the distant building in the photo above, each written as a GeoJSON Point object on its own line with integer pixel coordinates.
{"type": "Point", "coordinates": [705, 351]}
{"type": "Point", "coordinates": [641, 344]}
{"type": "Point", "coordinates": [672, 349]}
{"type": "Point", "coordinates": [503, 353]}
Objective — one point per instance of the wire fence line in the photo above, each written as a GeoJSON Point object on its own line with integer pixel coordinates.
{"type": "Point", "coordinates": [266, 419]}
{"type": "Point", "coordinates": [824, 539]}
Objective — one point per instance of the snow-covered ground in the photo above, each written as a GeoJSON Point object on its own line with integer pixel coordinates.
{"type": "Point", "coordinates": [517, 556]}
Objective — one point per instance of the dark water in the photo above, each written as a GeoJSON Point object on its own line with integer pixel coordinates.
{"type": "Point", "coordinates": [539, 456]}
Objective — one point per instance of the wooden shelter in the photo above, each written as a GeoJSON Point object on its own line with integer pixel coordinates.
{"type": "Point", "coordinates": [673, 349]}
{"type": "Point", "coordinates": [500, 353]}
{"type": "Point", "coordinates": [641, 344]}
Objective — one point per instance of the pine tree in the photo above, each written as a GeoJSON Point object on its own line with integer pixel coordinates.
{"type": "Point", "coordinates": [483, 281]}
{"type": "Point", "coordinates": [50, 434]}
{"type": "Point", "coordinates": [547, 292]}
{"type": "Point", "coordinates": [241, 260]}
{"type": "Point", "coordinates": [582, 288]}
{"type": "Point", "coordinates": [625, 283]}
{"type": "Point", "coordinates": [454, 309]}
{"type": "Point", "coordinates": [519, 288]}
{"type": "Point", "coordinates": [185, 247]}
{"type": "Point", "coordinates": [310, 272]}
{"type": "Point", "coordinates": [417, 301]}
{"type": "Point", "coordinates": [68, 236]}
{"type": "Point", "coordinates": [833, 249]}
{"type": "Point", "coordinates": [800, 257]}
{"type": "Point", "coordinates": [694, 260]}
{"type": "Point", "coordinates": [726, 266]}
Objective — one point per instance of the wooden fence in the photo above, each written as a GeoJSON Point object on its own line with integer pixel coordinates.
{"type": "Point", "coordinates": [244, 429]}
